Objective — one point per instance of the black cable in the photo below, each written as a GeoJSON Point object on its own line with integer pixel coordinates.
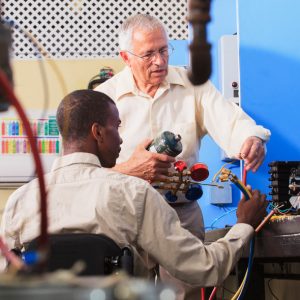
{"type": "Point", "coordinates": [228, 290]}
{"type": "Point", "coordinates": [104, 74]}
{"type": "Point", "coordinates": [46, 101]}
{"type": "Point", "coordinates": [13, 24]}
{"type": "Point", "coordinates": [94, 82]}
{"type": "Point", "coordinates": [271, 292]}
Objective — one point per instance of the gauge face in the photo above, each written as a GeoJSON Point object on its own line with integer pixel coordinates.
{"type": "Point", "coordinates": [199, 172]}
{"type": "Point", "coordinates": [194, 192]}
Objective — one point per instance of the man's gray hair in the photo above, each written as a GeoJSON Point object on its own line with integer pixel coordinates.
{"type": "Point", "coordinates": [139, 21]}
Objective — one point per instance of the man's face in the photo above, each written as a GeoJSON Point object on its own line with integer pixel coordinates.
{"type": "Point", "coordinates": [109, 147]}
{"type": "Point", "coordinates": [151, 72]}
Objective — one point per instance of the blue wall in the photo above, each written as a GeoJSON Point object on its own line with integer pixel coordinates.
{"type": "Point", "coordinates": [180, 56]}
{"type": "Point", "coordinates": [270, 87]}
{"type": "Point", "coordinates": [270, 71]}
{"type": "Point", "coordinates": [223, 15]}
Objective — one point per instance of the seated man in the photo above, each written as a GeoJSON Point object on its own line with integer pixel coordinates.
{"type": "Point", "coordinates": [84, 195]}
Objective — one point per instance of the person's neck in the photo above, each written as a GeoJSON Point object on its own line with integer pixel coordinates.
{"type": "Point", "coordinates": [69, 148]}
{"type": "Point", "coordinates": [147, 88]}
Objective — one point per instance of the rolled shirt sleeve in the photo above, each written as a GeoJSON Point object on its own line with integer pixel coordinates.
{"type": "Point", "coordinates": [225, 121]}
{"type": "Point", "coordinates": [180, 252]}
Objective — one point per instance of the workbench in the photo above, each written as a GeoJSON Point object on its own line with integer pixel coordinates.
{"type": "Point", "coordinates": [277, 242]}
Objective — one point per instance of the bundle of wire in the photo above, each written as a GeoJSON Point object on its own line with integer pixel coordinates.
{"type": "Point", "coordinates": [7, 89]}
{"type": "Point", "coordinates": [240, 293]}
{"type": "Point", "coordinates": [225, 175]}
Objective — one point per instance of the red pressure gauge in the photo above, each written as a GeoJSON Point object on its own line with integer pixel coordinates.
{"type": "Point", "coordinates": [199, 172]}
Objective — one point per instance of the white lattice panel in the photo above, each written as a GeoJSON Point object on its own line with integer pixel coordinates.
{"type": "Point", "coordinates": [84, 28]}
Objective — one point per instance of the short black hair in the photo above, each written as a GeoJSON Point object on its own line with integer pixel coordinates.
{"type": "Point", "coordinates": [79, 110]}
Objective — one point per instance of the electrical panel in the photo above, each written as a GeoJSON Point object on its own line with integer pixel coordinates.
{"type": "Point", "coordinates": [221, 195]}
{"type": "Point", "coordinates": [229, 70]}
{"type": "Point", "coordinates": [284, 183]}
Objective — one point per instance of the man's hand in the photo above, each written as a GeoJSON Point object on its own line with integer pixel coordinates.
{"type": "Point", "coordinates": [252, 211]}
{"type": "Point", "coordinates": [145, 164]}
{"type": "Point", "coordinates": [253, 153]}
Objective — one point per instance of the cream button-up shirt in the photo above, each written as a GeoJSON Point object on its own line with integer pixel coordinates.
{"type": "Point", "coordinates": [179, 107]}
{"type": "Point", "coordinates": [84, 197]}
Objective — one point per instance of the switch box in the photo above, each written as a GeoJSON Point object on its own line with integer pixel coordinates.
{"type": "Point", "coordinates": [229, 72]}
{"type": "Point", "coordinates": [221, 195]}
{"type": "Point", "coordinates": [229, 69]}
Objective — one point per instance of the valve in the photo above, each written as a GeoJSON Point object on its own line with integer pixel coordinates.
{"type": "Point", "coordinates": [170, 196]}
{"type": "Point", "coordinates": [180, 165]}
{"type": "Point", "coordinates": [185, 181]}
{"type": "Point", "coordinates": [194, 192]}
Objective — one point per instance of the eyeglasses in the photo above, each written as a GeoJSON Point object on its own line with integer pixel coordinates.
{"type": "Point", "coordinates": [163, 52]}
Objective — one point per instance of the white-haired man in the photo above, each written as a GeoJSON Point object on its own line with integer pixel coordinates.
{"type": "Point", "coordinates": [153, 97]}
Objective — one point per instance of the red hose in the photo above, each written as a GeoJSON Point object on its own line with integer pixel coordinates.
{"type": "Point", "coordinates": [213, 293]}
{"type": "Point", "coordinates": [244, 179]}
{"type": "Point", "coordinates": [10, 256]}
{"type": "Point", "coordinates": [8, 91]}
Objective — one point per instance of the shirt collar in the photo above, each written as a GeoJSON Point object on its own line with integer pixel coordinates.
{"type": "Point", "coordinates": [126, 84]}
{"type": "Point", "coordinates": [174, 76]}
{"type": "Point", "coordinates": [75, 158]}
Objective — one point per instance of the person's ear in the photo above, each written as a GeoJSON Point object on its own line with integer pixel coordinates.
{"type": "Point", "coordinates": [97, 132]}
{"type": "Point", "coordinates": [125, 57]}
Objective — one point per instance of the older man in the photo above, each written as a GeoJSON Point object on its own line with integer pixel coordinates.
{"type": "Point", "coordinates": [153, 97]}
